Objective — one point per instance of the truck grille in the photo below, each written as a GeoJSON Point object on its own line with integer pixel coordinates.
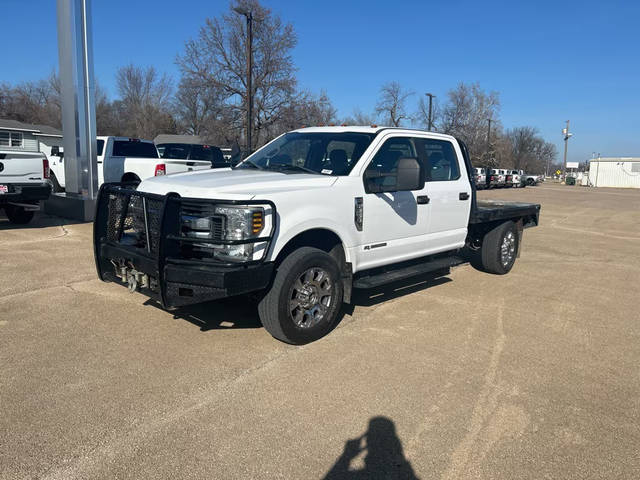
{"type": "Point", "coordinates": [201, 210]}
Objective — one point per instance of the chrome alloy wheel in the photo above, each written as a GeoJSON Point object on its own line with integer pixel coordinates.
{"type": "Point", "coordinates": [310, 297]}
{"type": "Point", "coordinates": [508, 248]}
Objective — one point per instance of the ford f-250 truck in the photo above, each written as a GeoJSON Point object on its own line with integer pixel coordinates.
{"type": "Point", "coordinates": [305, 219]}
{"type": "Point", "coordinates": [24, 181]}
{"type": "Point", "coordinates": [123, 159]}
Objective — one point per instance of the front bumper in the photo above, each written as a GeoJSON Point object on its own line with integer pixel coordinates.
{"type": "Point", "coordinates": [156, 258]}
{"type": "Point", "coordinates": [26, 192]}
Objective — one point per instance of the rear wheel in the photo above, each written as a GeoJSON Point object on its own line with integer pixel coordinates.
{"type": "Point", "coordinates": [499, 249]}
{"type": "Point", "coordinates": [130, 178]}
{"type": "Point", "coordinates": [305, 298]}
{"type": "Point", "coordinates": [18, 215]}
{"type": "Point", "coordinates": [530, 182]}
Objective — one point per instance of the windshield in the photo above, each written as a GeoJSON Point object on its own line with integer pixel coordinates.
{"type": "Point", "coordinates": [134, 148]}
{"type": "Point", "coordinates": [319, 153]}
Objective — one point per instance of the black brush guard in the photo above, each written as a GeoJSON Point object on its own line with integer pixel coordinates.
{"type": "Point", "coordinates": [141, 231]}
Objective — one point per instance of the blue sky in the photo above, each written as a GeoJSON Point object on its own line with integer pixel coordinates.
{"type": "Point", "coordinates": [549, 60]}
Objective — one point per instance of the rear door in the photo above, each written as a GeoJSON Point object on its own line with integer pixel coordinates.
{"type": "Point", "coordinates": [449, 192]}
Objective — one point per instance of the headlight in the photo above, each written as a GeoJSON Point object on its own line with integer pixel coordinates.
{"type": "Point", "coordinates": [223, 223]}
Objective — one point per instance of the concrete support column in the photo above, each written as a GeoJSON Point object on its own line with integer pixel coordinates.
{"type": "Point", "coordinates": [75, 52]}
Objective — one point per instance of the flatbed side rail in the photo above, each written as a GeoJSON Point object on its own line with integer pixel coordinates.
{"type": "Point", "coordinates": [488, 211]}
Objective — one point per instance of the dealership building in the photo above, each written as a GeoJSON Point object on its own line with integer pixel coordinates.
{"type": "Point", "coordinates": [620, 172]}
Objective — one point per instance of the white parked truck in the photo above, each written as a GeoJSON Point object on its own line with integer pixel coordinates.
{"type": "Point", "coordinates": [24, 181]}
{"type": "Point", "coordinates": [303, 221]}
{"type": "Point", "coordinates": [123, 159]}
{"type": "Point", "coordinates": [480, 176]}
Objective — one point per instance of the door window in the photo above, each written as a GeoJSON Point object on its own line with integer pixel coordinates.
{"type": "Point", "coordinates": [386, 160]}
{"type": "Point", "coordinates": [439, 159]}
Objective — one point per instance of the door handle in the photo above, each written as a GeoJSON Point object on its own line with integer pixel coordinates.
{"type": "Point", "coordinates": [423, 199]}
{"type": "Point", "coordinates": [463, 196]}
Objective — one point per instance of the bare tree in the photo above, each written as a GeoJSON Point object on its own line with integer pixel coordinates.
{"type": "Point", "coordinates": [466, 116]}
{"type": "Point", "coordinates": [529, 151]}
{"type": "Point", "coordinates": [145, 100]}
{"type": "Point", "coordinates": [305, 109]}
{"type": "Point", "coordinates": [217, 58]}
{"type": "Point", "coordinates": [358, 117]}
{"type": "Point", "coordinates": [32, 102]}
{"type": "Point", "coordinates": [392, 103]}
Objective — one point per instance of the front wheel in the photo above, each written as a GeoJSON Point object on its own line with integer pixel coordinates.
{"type": "Point", "coordinates": [305, 298]}
{"type": "Point", "coordinates": [18, 215]}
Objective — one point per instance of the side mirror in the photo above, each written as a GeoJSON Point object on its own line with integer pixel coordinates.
{"type": "Point", "coordinates": [55, 151]}
{"type": "Point", "coordinates": [410, 176]}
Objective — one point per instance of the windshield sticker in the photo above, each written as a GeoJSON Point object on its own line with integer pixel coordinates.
{"type": "Point", "coordinates": [326, 172]}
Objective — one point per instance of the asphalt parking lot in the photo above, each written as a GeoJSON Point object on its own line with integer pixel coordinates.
{"type": "Point", "coordinates": [530, 375]}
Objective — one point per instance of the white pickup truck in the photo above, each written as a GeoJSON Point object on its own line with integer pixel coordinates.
{"type": "Point", "coordinates": [24, 181]}
{"type": "Point", "coordinates": [123, 159]}
{"type": "Point", "coordinates": [305, 219]}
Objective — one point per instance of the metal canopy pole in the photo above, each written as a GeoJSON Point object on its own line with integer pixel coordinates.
{"type": "Point", "coordinates": [75, 52]}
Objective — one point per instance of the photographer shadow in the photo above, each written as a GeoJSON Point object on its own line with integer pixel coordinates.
{"type": "Point", "coordinates": [383, 455]}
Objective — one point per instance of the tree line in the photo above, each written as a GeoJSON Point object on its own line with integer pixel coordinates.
{"type": "Point", "coordinates": [209, 100]}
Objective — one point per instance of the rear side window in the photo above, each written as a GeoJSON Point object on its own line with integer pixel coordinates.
{"type": "Point", "coordinates": [132, 148]}
{"type": "Point", "coordinates": [206, 152]}
{"type": "Point", "coordinates": [100, 145]}
{"type": "Point", "coordinates": [440, 160]}
{"type": "Point", "coordinates": [175, 150]}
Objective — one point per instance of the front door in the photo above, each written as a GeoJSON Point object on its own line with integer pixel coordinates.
{"type": "Point", "coordinates": [395, 223]}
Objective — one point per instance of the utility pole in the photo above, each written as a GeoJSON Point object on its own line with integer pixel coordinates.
{"type": "Point", "coordinates": [249, 16]}
{"type": "Point", "coordinates": [429, 122]}
{"type": "Point", "coordinates": [567, 136]}
{"type": "Point", "coordinates": [489, 140]}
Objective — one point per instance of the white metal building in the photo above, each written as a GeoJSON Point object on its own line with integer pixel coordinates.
{"type": "Point", "coordinates": [620, 172]}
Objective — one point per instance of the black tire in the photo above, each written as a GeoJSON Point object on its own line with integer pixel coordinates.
{"type": "Point", "coordinates": [275, 307]}
{"type": "Point", "coordinates": [530, 182]}
{"type": "Point", "coordinates": [18, 215]}
{"type": "Point", "coordinates": [56, 185]}
{"type": "Point", "coordinates": [491, 253]}
{"type": "Point", "coordinates": [131, 178]}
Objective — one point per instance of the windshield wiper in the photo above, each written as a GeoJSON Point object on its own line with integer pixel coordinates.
{"type": "Point", "coordinates": [288, 166]}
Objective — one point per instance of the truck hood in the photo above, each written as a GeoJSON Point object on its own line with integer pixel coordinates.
{"type": "Point", "coordinates": [238, 184]}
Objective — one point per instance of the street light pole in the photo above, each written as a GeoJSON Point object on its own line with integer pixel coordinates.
{"type": "Point", "coordinates": [430, 123]}
{"type": "Point", "coordinates": [249, 16]}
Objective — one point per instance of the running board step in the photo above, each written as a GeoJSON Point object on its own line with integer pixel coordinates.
{"type": "Point", "coordinates": [371, 280]}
